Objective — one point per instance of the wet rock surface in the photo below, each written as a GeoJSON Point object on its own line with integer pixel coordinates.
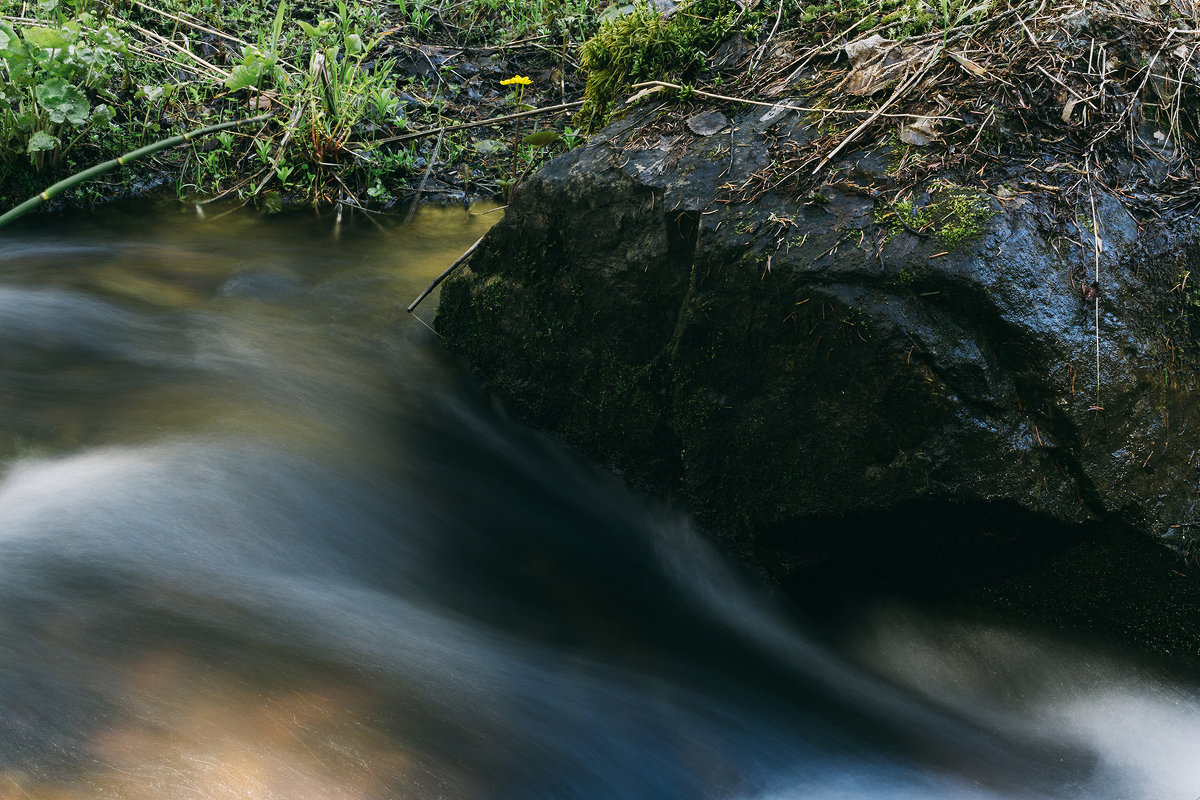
{"type": "Point", "coordinates": [785, 362]}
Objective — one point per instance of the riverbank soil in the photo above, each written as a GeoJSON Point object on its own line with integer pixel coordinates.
{"type": "Point", "coordinates": [373, 104]}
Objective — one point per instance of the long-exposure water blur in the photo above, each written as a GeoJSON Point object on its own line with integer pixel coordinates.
{"type": "Point", "coordinates": [261, 536]}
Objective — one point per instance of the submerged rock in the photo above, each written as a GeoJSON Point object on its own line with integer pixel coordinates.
{"type": "Point", "coordinates": [779, 359]}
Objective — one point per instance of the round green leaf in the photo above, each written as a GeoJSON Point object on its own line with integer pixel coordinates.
{"type": "Point", "coordinates": [40, 140]}
{"type": "Point", "coordinates": [8, 38]}
{"type": "Point", "coordinates": [541, 138]}
{"type": "Point", "coordinates": [487, 147]}
{"type": "Point", "coordinates": [45, 37]}
{"type": "Point", "coordinates": [62, 101]}
{"type": "Point", "coordinates": [102, 115]}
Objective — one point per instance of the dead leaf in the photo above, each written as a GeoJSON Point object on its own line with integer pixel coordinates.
{"type": "Point", "coordinates": [878, 64]}
{"type": "Point", "coordinates": [970, 66]}
{"type": "Point", "coordinates": [773, 113]}
{"type": "Point", "coordinates": [862, 51]}
{"type": "Point", "coordinates": [920, 132]}
{"type": "Point", "coordinates": [1069, 109]}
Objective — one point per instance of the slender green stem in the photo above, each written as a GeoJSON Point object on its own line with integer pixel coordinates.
{"type": "Point", "coordinates": [109, 166]}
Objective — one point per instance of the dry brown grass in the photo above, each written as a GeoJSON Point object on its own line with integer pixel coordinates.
{"type": "Point", "coordinates": [1038, 96]}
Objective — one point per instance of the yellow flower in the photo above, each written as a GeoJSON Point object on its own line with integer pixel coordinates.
{"type": "Point", "coordinates": [519, 79]}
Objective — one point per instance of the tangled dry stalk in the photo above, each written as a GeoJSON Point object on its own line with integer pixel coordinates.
{"type": "Point", "coordinates": [1025, 96]}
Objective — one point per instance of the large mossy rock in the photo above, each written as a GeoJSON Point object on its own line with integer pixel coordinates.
{"type": "Point", "coordinates": [781, 360]}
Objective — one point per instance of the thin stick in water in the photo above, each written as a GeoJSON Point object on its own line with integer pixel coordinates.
{"type": "Point", "coordinates": [458, 262]}
{"type": "Point", "coordinates": [437, 148]}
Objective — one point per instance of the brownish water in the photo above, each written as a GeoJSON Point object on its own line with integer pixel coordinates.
{"type": "Point", "coordinates": [262, 538]}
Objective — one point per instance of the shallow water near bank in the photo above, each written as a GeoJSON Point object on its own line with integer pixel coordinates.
{"type": "Point", "coordinates": [262, 537]}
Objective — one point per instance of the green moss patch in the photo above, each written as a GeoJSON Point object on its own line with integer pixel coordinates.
{"type": "Point", "coordinates": [953, 215]}
{"type": "Point", "coordinates": [644, 45]}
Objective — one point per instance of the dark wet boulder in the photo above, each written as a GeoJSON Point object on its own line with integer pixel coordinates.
{"type": "Point", "coordinates": [779, 360]}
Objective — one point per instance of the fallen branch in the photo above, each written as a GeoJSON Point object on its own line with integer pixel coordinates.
{"type": "Point", "coordinates": [896, 95]}
{"type": "Point", "coordinates": [164, 41]}
{"type": "Point", "coordinates": [458, 262]}
{"type": "Point", "coordinates": [786, 106]}
{"type": "Point", "coordinates": [479, 123]}
{"type": "Point", "coordinates": [292, 122]}
{"type": "Point", "coordinates": [203, 29]}
{"type": "Point", "coordinates": [437, 148]}
{"type": "Point", "coordinates": [190, 23]}
{"type": "Point", "coordinates": [120, 161]}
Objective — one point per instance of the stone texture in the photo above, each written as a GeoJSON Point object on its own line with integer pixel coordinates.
{"type": "Point", "coordinates": [787, 360]}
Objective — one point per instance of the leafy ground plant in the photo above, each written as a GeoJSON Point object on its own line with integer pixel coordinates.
{"type": "Point", "coordinates": [48, 69]}
{"type": "Point", "coordinates": [344, 82]}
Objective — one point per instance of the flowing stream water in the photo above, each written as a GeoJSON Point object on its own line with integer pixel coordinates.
{"type": "Point", "coordinates": [262, 537]}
